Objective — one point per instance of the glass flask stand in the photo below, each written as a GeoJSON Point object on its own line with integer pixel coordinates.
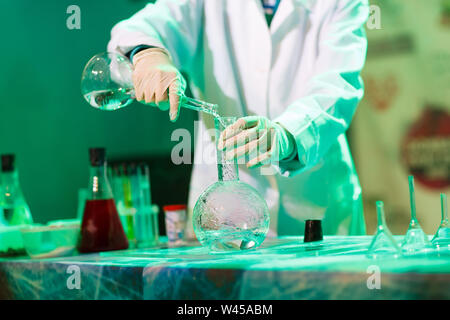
{"type": "Point", "coordinates": [383, 243]}
{"type": "Point", "coordinates": [107, 84]}
{"type": "Point", "coordinates": [415, 241]}
{"type": "Point", "coordinates": [230, 214]}
{"type": "Point", "coordinates": [441, 239]}
{"type": "Point", "coordinates": [101, 228]}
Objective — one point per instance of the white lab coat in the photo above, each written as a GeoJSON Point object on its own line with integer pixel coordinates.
{"type": "Point", "coordinates": [303, 72]}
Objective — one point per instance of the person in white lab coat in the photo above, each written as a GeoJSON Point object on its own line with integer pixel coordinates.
{"type": "Point", "coordinates": [295, 75]}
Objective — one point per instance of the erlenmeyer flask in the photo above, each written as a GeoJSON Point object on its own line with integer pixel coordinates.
{"type": "Point", "coordinates": [106, 84]}
{"type": "Point", "coordinates": [101, 229]}
{"type": "Point", "coordinates": [415, 241]}
{"type": "Point", "coordinates": [230, 214]}
{"type": "Point", "coordinates": [12, 200]}
{"type": "Point", "coordinates": [383, 243]}
{"type": "Point", "coordinates": [441, 239]}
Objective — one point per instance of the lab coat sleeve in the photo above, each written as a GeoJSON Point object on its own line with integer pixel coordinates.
{"type": "Point", "coordinates": [174, 25]}
{"type": "Point", "coordinates": [333, 91]}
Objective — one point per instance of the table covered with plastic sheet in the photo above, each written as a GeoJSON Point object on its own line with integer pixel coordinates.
{"type": "Point", "coordinates": [282, 268]}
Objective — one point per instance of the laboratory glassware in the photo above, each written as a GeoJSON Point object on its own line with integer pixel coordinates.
{"type": "Point", "coordinates": [128, 212]}
{"type": "Point", "coordinates": [131, 189]}
{"type": "Point", "coordinates": [230, 214]}
{"type": "Point", "coordinates": [415, 240]}
{"type": "Point", "coordinates": [441, 239]}
{"type": "Point", "coordinates": [82, 196]}
{"type": "Point", "coordinates": [101, 229]}
{"type": "Point", "coordinates": [12, 201]}
{"type": "Point", "coordinates": [146, 221]}
{"type": "Point", "coordinates": [106, 84]}
{"type": "Point", "coordinates": [383, 243]}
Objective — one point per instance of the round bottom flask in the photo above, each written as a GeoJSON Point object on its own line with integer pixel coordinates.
{"type": "Point", "coordinates": [230, 214]}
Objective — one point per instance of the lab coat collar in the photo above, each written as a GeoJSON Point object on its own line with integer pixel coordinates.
{"type": "Point", "coordinates": [286, 9]}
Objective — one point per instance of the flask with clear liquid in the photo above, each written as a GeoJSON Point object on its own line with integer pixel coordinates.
{"type": "Point", "coordinates": [101, 228]}
{"type": "Point", "coordinates": [107, 84]}
{"type": "Point", "coordinates": [230, 214]}
{"type": "Point", "coordinates": [12, 201]}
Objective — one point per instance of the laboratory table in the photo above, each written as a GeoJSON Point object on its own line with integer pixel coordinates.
{"type": "Point", "coordinates": [282, 268]}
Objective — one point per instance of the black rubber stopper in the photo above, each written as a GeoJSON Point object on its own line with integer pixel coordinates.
{"type": "Point", "coordinates": [313, 230]}
{"type": "Point", "coordinates": [8, 162]}
{"type": "Point", "coordinates": [97, 156]}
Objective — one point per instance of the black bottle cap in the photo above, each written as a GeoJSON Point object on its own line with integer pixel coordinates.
{"type": "Point", "coordinates": [313, 230]}
{"type": "Point", "coordinates": [97, 156]}
{"type": "Point", "coordinates": [8, 162]}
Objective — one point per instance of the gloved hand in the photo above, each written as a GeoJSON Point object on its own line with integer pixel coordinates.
{"type": "Point", "coordinates": [263, 140]}
{"type": "Point", "coordinates": [154, 74]}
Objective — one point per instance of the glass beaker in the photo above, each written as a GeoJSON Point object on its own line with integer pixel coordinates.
{"type": "Point", "coordinates": [12, 201]}
{"type": "Point", "coordinates": [230, 214]}
{"type": "Point", "coordinates": [106, 84]}
{"type": "Point", "coordinates": [101, 229]}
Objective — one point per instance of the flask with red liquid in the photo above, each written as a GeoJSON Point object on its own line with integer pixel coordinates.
{"type": "Point", "coordinates": [101, 229]}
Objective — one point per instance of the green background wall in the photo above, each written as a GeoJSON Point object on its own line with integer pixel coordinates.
{"type": "Point", "coordinates": [43, 117]}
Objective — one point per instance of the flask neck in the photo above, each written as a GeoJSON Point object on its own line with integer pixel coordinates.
{"type": "Point", "coordinates": [10, 178]}
{"type": "Point", "coordinates": [227, 169]}
{"type": "Point", "coordinates": [99, 187]}
{"type": "Point", "coordinates": [10, 188]}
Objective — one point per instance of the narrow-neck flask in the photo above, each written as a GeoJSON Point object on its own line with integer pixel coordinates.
{"type": "Point", "coordinates": [230, 214]}
{"type": "Point", "coordinates": [101, 229]}
{"type": "Point", "coordinates": [13, 203]}
{"type": "Point", "coordinates": [106, 84]}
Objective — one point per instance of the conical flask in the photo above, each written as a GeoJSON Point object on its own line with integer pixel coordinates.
{"type": "Point", "coordinates": [101, 229]}
{"type": "Point", "coordinates": [441, 239]}
{"type": "Point", "coordinates": [415, 240]}
{"type": "Point", "coordinates": [383, 244]}
{"type": "Point", "coordinates": [230, 214]}
{"type": "Point", "coordinates": [12, 201]}
{"type": "Point", "coordinates": [106, 84]}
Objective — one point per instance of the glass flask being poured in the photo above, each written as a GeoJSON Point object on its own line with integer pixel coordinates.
{"type": "Point", "coordinates": [101, 229]}
{"type": "Point", "coordinates": [12, 201]}
{"type": "Point", "coordinates": [230, 214]}
{"type": "Point", "coordinates": [441, 239]}
{"type": "Point", "coordinates": [383, 244]}
{"type": "Point", "coordinates": [415, 241]}
{"type": "Point", "coordinates": [106, 84]}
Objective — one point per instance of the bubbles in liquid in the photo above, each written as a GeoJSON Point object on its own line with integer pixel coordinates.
{"type": "Point", "coordinates": [110, 99]}
{"type": "Point", "coordinates": [231, 215]}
